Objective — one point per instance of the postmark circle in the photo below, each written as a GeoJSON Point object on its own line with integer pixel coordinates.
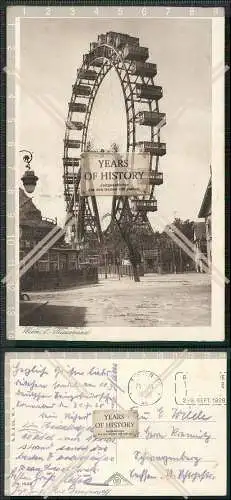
{"type": "Point", "coordinates": [145, 388]}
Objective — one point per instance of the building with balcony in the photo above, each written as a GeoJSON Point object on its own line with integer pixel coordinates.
{"type": "Point", "coordinates": [206, 213]}
{"type": "Point", "coordinates": [33, 228]}
{"type": "Point", "coordinates": [59, 263]}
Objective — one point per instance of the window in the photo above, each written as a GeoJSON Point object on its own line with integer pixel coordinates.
{"type": "Point", "coordinates": [62, 266]}
{"type": "Point", "coordinates": [72, 257]}
{"type": "Point", "coordinates": [72, 260]}
{"type": "Point", "coordinates": [209, 227]}
{"type": "Point", "coordinates": [43, 266]}
{"type": "Point", "coordinates": [53, 257]}
{"type": "Point", "coordinates": [54, 266]}
{"type": "Point", "coordinates": [62, 261]}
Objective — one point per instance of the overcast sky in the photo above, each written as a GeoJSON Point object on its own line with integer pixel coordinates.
{"type": "Point", "coordinates": [51, 50]}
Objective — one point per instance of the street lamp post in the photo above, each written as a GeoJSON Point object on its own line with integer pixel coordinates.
{"type": "Point", "coordinates": [29, 179]}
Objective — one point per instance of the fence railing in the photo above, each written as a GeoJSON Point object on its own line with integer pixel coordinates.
{"type": "Point", "coordinates": [42, 280]}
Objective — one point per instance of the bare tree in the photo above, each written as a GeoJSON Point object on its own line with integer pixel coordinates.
{"type": "Point", "coordinates": [115, 147]}
{"type": "Point", "coordinates": [89, 145]}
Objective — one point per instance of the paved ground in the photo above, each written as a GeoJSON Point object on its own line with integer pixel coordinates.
{"type": "Point", "coordinates": [158, 300]}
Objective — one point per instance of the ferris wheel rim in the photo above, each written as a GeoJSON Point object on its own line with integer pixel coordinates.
{"type": "Point", "coordinates": [115, 60]}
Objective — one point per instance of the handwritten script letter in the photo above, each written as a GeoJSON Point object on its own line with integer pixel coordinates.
{"type": "Point", "coordinates": [52, 447]}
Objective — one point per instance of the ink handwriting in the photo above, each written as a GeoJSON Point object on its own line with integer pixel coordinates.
{"type": "Point", "coordinates": [55, 451]}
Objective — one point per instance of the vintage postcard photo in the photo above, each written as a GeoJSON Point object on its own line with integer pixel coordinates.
{"type": "Point", "coordinates": [115, 198]}
{"type": "Point", "coordinates": [115, 424]}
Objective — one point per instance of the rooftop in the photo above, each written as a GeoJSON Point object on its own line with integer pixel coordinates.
{"type": "Point", "coordinates": [207, 201]}
{"type": "Point", "coordinates": [30, 215]}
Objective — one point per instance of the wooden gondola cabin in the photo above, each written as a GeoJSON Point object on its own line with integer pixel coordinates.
{"type": "Point", "coordinates": [154, 148]}
{"type": "Point", "coordinates": [123, 39]}
{"type": "Point", "coordinates": [133, 53]}
{"type": "Point", "coordinates": [156, 178]}
{"type": "Point", "coordinates": [143, 69]}
{"type": "Point", "coordinates": [77, 107]}
{"type": "Point", "coordinates": [152, 92]}
{"type": "Point", "coordinates": [87, 74]}
{"type": "Point", "coordinates": [81, 90]}
{"type": "Point", "coordinates": [142, 205]}
{"type": "Point", "coordinates": [72, 143]}
{"type": "Point", "coordinates": [152, 118]}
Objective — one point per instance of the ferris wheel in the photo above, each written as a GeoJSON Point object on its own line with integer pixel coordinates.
{"type": "Point", "coordinates": [141, 97]}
